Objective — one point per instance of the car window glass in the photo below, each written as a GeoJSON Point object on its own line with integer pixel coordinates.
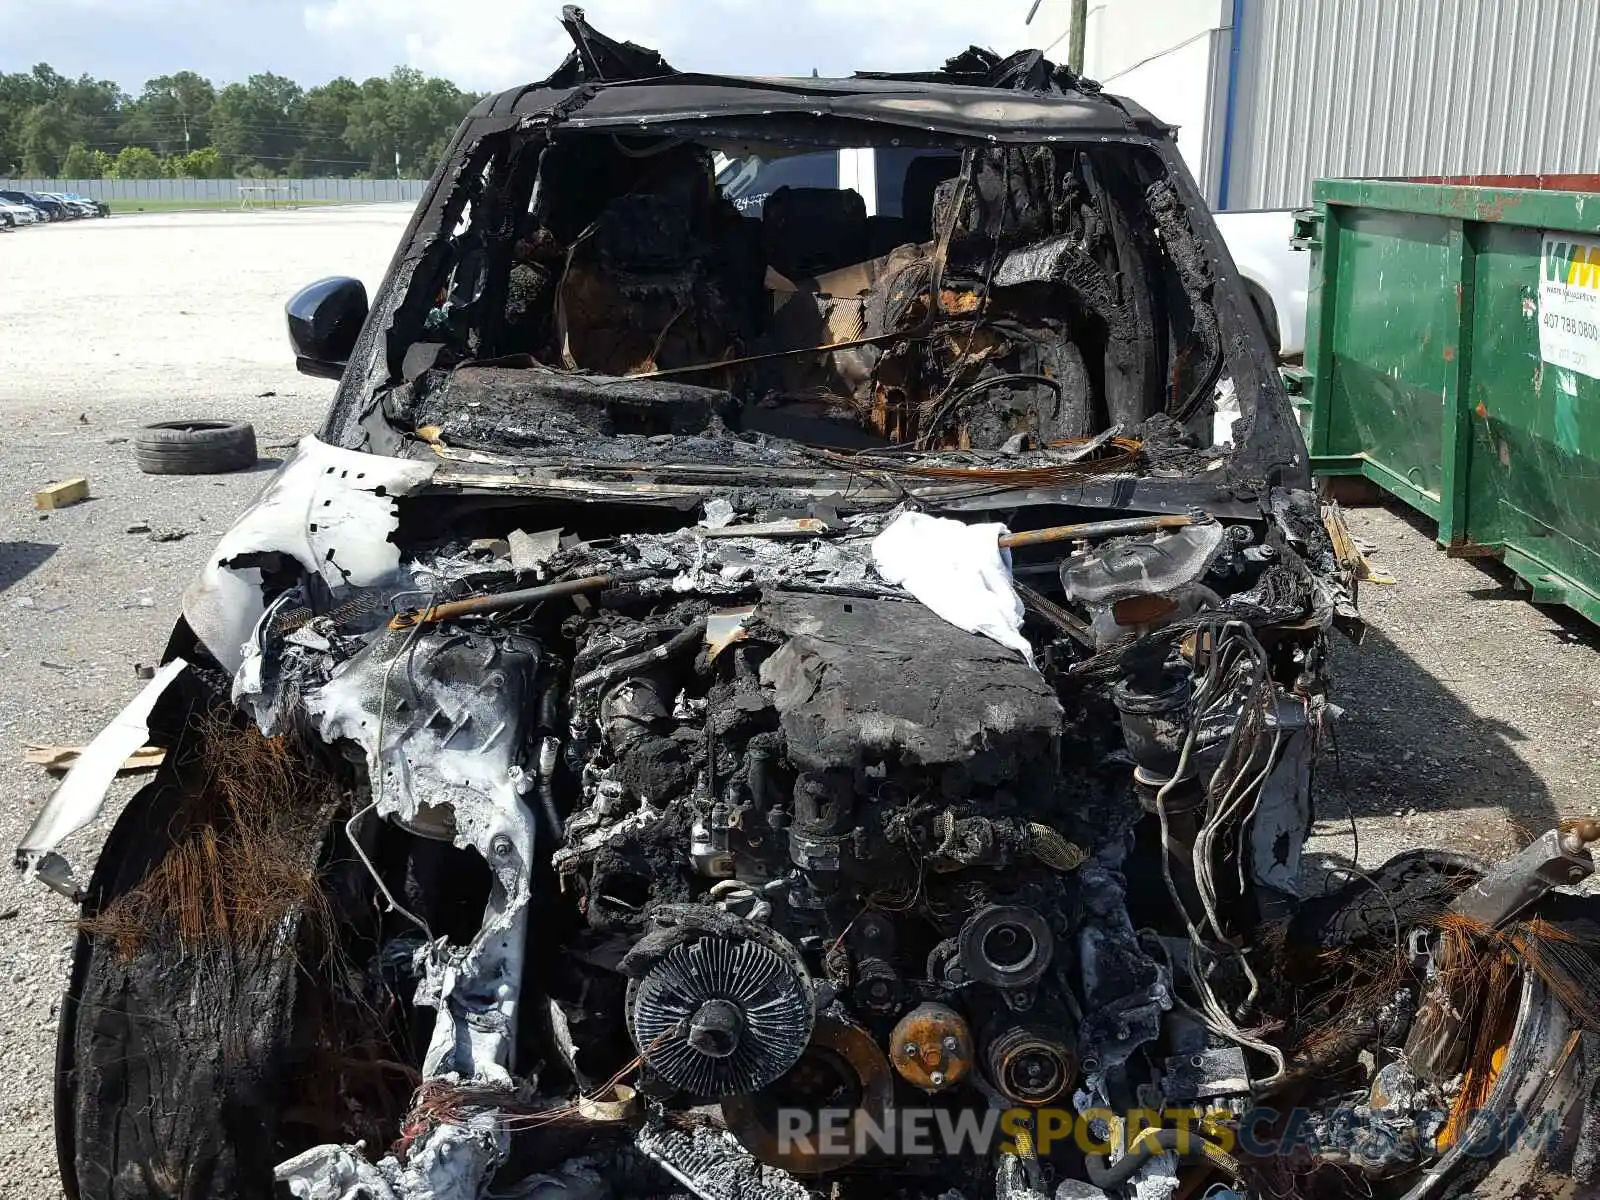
{"type": "Point", "coordinates": [893, 162]}
{"type": "Point", "coordinates": [749, 180]}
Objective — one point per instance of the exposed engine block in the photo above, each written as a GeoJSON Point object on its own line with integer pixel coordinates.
{"type": "Point", "coordinates": [822, 804]}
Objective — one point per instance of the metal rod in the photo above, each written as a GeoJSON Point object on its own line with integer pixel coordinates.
{"type": "Point", "coordinates": [745, 360]}
{"type": "Point", "coordinates": [1052, 612]}
{"type": "Point", "coordinates": [500, 601]}
{"type": "Point", "coordinates": [1089, 529]}
{"type": "Point", "coordinates": [797, 527]}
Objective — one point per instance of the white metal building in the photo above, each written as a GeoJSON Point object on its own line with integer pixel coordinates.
{"type": "Point", "coordinates": [1269, 95]}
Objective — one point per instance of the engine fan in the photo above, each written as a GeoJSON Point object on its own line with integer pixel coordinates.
{"type": "Point", "coordinates": [720, 1011]}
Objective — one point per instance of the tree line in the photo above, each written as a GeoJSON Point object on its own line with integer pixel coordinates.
{"type": "Point", "coordinates": [182, 126]}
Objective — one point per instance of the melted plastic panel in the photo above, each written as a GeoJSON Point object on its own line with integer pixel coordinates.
{"type": "Point", "coordinates": [858, 680]}
{"type": "Point", "coordinates": [445, 720]}
{"type": "Point", "coordinates": [80, 798]}
{"type": "Point", "coordinates": [330, 512]}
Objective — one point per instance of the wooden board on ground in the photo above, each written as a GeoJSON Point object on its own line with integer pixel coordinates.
{"type": "Point", "coordinates": [60, 758]}
{"type": "Point", "coordinates": [59, 495]}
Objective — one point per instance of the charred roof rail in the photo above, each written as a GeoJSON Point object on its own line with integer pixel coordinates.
{"type": "Point", "coordinates": [601, 59]}
{"type": "Point", "coordinates": [1022, 71]}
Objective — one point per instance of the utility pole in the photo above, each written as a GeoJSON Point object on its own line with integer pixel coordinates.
{"type": "Point", "coordinates": [1080, 18]}
{"type": "Point", "coordinates": [183, 115]}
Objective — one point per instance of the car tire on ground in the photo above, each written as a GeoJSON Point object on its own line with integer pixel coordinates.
{"type": "Point", "coordinates": [194, 447]}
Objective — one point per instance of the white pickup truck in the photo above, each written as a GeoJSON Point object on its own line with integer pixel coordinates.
{"type": "Point", "coordinates": [1276, 275]}
{"type": "Point", "coordinates": [893, 182]}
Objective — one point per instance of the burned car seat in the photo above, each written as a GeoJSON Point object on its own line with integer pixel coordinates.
{"type": "Point", "coordinates": [807, 231]}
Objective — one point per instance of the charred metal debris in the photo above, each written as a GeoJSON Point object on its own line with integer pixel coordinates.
{"type": "Point", "coordinates": [821, 660]}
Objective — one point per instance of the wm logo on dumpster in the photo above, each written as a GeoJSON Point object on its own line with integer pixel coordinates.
{"type": "Point", "coordinates": [1573, 264]}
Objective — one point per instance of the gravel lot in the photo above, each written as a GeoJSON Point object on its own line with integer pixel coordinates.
{"type": "Point", "coordinates": [105, 325]}
{"type": "Point", "coordinates": [1472, 716]}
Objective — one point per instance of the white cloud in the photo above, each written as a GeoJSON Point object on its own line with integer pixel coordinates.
{"type": "Point", "coordinates": [490, 44]}
{"type": "Point", "coordinates": [131, 41]}
{"type": "Point", "coordinates": [499, 43]}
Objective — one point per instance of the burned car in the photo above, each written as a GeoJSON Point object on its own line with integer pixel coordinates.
{"type": "Point", "coordinates": [790, 698]}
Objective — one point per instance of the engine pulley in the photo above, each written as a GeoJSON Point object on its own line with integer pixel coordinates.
{"type": "Point", "coordinates": [1006, 946]}
{"type": "Point", "coordinates": [1029, 1065]}
{"type": "Point", "coordinates": [841, 1070]}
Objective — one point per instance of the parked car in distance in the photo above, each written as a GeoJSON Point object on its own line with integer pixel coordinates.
{"type": "Point", "coordinates": [77, 206]}
{"type": "Point", "coordinates": [56, 210]}
{"type": "Point", "coordinates": [13, 215]}
{"type": "Point", "coordinates": [71, 209]}
{"type": "Point", "coordinates": [100, 208]}
{"type": "Point", "coordinates": [48, 210]}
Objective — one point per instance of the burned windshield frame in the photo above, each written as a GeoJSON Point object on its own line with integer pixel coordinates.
{"type": "Point", "coordinates": [499, 230]}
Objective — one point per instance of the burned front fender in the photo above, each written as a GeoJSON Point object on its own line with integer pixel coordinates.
{"type": "Point", "coordinates": [323, 521]}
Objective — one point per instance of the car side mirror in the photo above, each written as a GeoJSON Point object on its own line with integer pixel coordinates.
{"type": "Point", "coordinates": [325, 318]}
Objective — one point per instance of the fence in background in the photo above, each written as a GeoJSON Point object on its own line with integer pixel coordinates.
{"type": "Point", "coordinates": [231, 193]}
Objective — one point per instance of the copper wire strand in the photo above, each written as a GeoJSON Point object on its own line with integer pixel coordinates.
{"type": "Point", "coordinates": [452, 1102]}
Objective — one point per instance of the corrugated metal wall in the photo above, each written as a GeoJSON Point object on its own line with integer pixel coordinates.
{"type": "Point", "coordinates": [1411, 87]}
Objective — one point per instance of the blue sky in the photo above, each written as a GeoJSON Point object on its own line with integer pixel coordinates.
{"type": "Point", "coordinates": [485, 44]}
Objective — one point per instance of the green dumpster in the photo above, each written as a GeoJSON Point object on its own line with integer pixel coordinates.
{"type": "Point", "coordinates": [1453, 358]}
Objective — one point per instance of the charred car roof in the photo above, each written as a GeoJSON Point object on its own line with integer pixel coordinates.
{"type": "Point", "coordinates": [990, 112]}
{"type": "Point", "coordinates": [603, 83]}
{"type": "Point", "coordinates": [610, 94]}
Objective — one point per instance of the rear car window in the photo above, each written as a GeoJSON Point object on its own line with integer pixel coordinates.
{"type": "Point", "coordinates": [749, 180]}
{"type": "Point", "coordinates": [896, 166]}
